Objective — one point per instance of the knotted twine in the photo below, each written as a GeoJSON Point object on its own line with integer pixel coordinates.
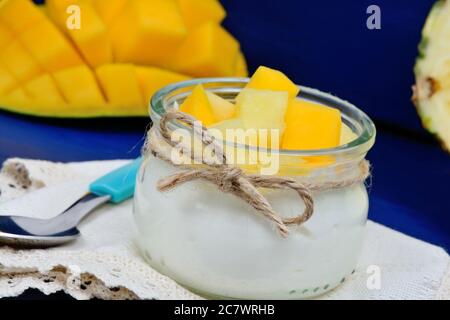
{"type": "Point", "coordinates": [231, 179]}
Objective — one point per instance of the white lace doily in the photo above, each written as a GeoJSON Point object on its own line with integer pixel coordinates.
{"type": "Point", "coordinates": [104, 262]}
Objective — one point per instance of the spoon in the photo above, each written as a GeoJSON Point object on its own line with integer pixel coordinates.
{"type": "Point", "coordinates": [115, 187]}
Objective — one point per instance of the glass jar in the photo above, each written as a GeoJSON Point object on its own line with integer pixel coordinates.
{"type": "Point", "coordinates": [215, 244]}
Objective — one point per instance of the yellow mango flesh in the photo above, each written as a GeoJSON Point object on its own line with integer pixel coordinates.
{"type": "Point", "coordinates": [310, 126]}
{"type": "Point", "coordinates": [6, 36]}
{"type": "Point", "coordinates": [197, 104]}
{"type": "Point", "coordinates": [52, 51]}
{"type": "Point", "coordinates": [92, 38]}
{"type": "Point", "coordinates": [152, 79]}
{"type": "Point", "coordinates": [19, 15]}
{"type": "Point", "coordinates": [7, 81]}
{"type": "Point", "coordinates": [221, 108]}
{"type": "Point", "coordinates": [109, 10]}
{"type": "Point", "coordinates": [209, 50]}
{"type": "Point", "coordinates": [197, 12]}
{"type": "Point", "coordinates": [43, 91]}
{"type": "Point", "coordinates": [262, 109]}
{"type": "Point", "coordinates": [79, 87]}
{"type": "Point", "coordinates": [121, 87]}
{"type": "Point", "coordinates": [241, 69]}
{"type": "Point", "coordinates": [147, 32]}
{"type": "Point", "coordinates": [269, 79]}
{"type": "Point", "coordinates": [19, 62]}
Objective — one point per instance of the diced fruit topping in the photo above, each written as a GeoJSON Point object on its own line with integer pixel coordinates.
{"type": "Point", "coordinates": [198, 105]}
{"type": "Point", "coordinates": [311, 126]}
{"type": "Point", "coordinates": [270, 79]}
{"type": "Point", "coordinates": [262, 109]}
{"type": "Point", "coordinates": [222, 108]}
{"type": "Point", "coordinates": [272, 105]}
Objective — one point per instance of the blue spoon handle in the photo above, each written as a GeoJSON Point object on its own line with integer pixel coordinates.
{"type": "Point", "coordinates": [118, 184]}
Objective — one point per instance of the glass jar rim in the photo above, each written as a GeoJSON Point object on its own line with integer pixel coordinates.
{"type": "Point", "coordinates": [362, 144]}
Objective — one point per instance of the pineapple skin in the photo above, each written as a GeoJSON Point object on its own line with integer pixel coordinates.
{"type": "Point", "coordinates": [431, 93]}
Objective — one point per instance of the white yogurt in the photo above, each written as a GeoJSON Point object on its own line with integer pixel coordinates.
{"type": "Point", "coordinates": [216, 244]}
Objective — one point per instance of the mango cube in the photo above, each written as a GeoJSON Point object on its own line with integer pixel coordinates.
{"type": "Point", "coordinates": [198, 105]}
{"type": "Point", "coordinates": [109, 10]}
{"type": "Point", "coordinates": [20, 15]}
{"type": "Point", "coordinates": [269, 79]}
{"type": "Point", "coordinates": [310, 126]}
{"type": "Point", "coordinates": [147, 32]}
{"type": "Point", "coordinates": [241, 69]}
{"type": "Point", "coordinates": [197, 12]}
{"type": "Point", "coordinates": [121, 87]}
{"type": "Point", "coordinates": [7, 80]}
{"type": "Point", "coordinates": [91, 38]}
{"type": "Point", "coordinates": [79, 87]}
{"type": "Point", "coordinates": [19, 62]}
{"type": "Point", "coordinates": [52, 51]}
{"type": "Point", "coordinates": [152, 79]}
{"type": "Point", "coordinates": [43, 91]}
{"type": "Point", "coordinates": [222, 108]}
{"type": "Point", "coordinates": [209, 50]}
{"type": "Point", "coordinates": [262, 109]}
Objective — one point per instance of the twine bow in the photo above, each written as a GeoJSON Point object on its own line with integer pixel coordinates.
{"type": "Point", "coordinates": [234, 180]}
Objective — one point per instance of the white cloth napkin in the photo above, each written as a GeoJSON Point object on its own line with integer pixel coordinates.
{"type": "Point", "coordinates": [104, 262]}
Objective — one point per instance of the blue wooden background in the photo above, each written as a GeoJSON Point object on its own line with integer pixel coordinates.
{"type": "Point", "coordinates": [323, 44]}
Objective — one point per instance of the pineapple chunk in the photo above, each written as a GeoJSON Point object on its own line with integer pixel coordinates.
{"type": "Point", "coordinates": [209, 50]}
{"type": "Point", "coordinates": [262, 109]}
{"type": "Point", "coordinates": [52, 51]}
{"type": "Point", "coordinates": [347, 135]}
{"type": "Point", "coordinates": [310, 126]}
{"type": "Point", "coordinates": [121, 87]}
{"type": "Point", "coordinates": [222, 108]}
{"type": "Point", "coordinates": [109, 10]}
{"type": "Point", "coordinates": [269, 79]}
{"type": "Point", "coordinates": [79, 87]}
{"type": "Point", "coordinates": [152, 79]}
{"type": "Point", "coordinates": [92, 38]}
{"type": "Point", "coordinates": [197, 12]}
{"type": "Point", "coordinates": [7, 80]}
{"type": "Point", "coordinates": [241, 69]}
{"type": "Point", "coordinates": [6, 37]}
{"type": "Point", "coordinates": [43, 91]}
{"type": "Point", "coordinates": [147, 32]}
{"type": "Point", "coordinates": [199, 106]}
{"type": "Point", "coordinates": [19, 62]}
{"type": "Point", "coordinates": [20, 15]}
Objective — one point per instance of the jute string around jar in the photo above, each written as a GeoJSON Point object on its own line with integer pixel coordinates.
{"type": "Point", "coordinates": [231, 179]}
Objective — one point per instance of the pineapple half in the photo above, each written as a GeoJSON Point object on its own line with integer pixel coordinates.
{"type": "Point", "coordinates": [432, 70]}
